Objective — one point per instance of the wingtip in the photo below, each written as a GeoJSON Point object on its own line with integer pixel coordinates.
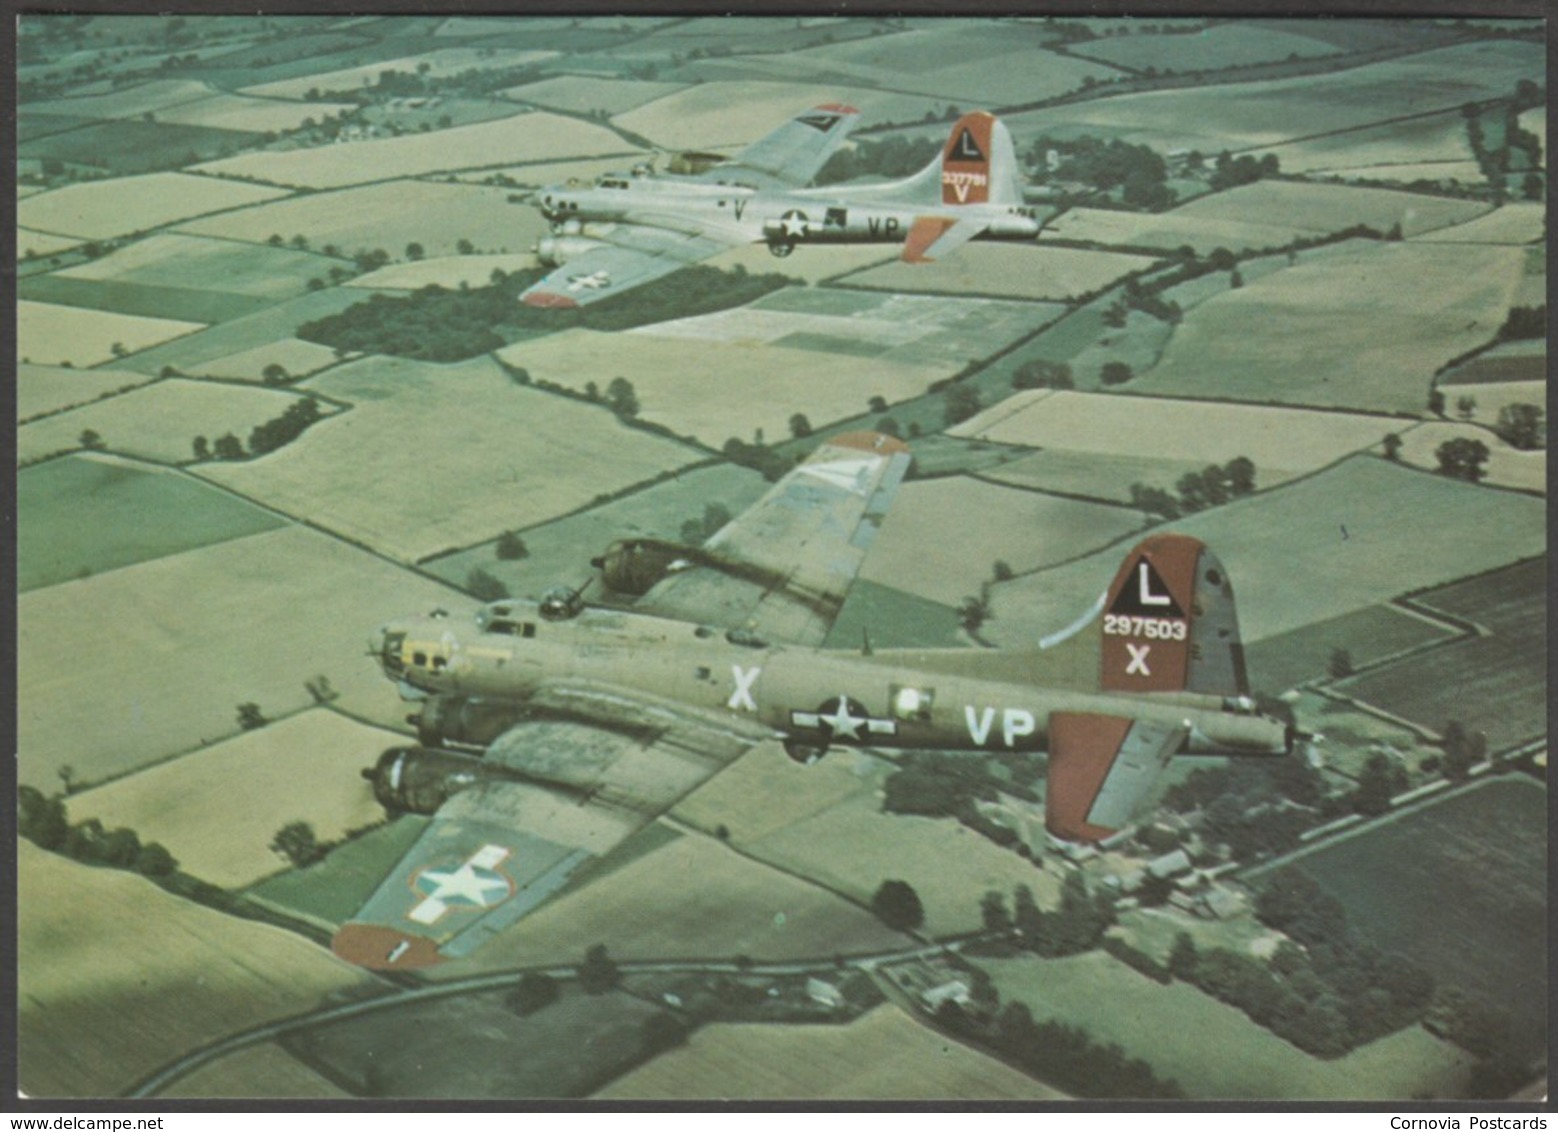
{"type": "Point", "coordinates": [548, 300]}
{"type": "Point", "coordinates": [384, 949]}
{"type": "Point", "coordinates": [837, 108]}
{"type": "Point", "coordinates": [869, 441]}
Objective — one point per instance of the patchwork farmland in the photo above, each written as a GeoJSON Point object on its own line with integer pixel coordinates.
{"type": "Point", "coordinates": [1312, 244]}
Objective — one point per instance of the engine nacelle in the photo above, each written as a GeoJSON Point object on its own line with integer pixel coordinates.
{"type": "Point", "coordinates": [805, 753]}
{"type": "Point", "coordinates": [558, 250]}
{"type": "Point", "coordinates": [633, 566]}
{"type": "Point", "coordinates": [464, 720]}
{"type": "Point", "coordinates": [415, 780]}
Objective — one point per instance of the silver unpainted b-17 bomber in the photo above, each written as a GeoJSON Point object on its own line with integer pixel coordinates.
{"type": "Point", "coordinates": [623, 230]}
{"type": "Point", "coordinates": [591, 722]}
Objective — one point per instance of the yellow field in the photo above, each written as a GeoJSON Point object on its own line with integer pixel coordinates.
{"type": "Point", "coordinates": [297, 357]}
{"type": "Point", "coordinates": [102, 209]}
{"type": "Point", "coordinates": [1506, 466]}
{"type": "Point", "coordinates": [51, 334]}
{"type": "Point", "coordinates": [584, 93]}
{"type": "Point", "coordinates": [433, 457]}
{"type": "Point", "coordinates": [128, 102]}
{"type": "Point", "coordinates": [1521, 222]}
{"type": "Point", "coordinates": [217, 810]}
{"type": "Point", "coordinates": [943, 536]}
{"type": "Point", "coordinates": [1283, 442]}
{"type": "Point", "coordinates": [31, 244]}
{"type": "Point", "coordinates": [1330, 208]}
{"type": "Point", "coordinates": [1005, 269]}
{"type": "Point", "coordinates": [692, 897]}
{"type": "Point", "coordinates": [884, 1055]}
{"type": "Point", "coordinates": [47, 389]}
{"type": "Point", "coordinates": [1168, 230]}
{"type": "Point", "coordinates": [265, 1072]}
{"type": "Point", "coordinates": [159, 421]}
{"type": "Point", "coordinates": [256, 115]}
{"type": "Point", "coordinates": [445, 271]}
{"type": "Point", "coordinates": [1213, 1050]}
{"type": "Point", "coordinates": [117, 978]}
{"type": "Point", "coordinates": [1493, 395]}
{"type": "Point", "coordinates": [193, 636]}
{"type": "Point", "coordinates": [539, 136]}
{"type": "Point", "coordinates": [729, 389]}
{"type": "Point", "coordinates": [1438, 139]}
{"type": "Point", "coordinates": [388, 216]}
{"type": "Point", "coordinates": [718, 115]}
{"type": "Point", "coordinates": [1363, 325]}
{"type": "Point", "coordinates": [447, 61]}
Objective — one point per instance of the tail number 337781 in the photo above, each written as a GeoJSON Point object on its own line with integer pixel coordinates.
{"type": "Point", "coordinates": [1152, 628]}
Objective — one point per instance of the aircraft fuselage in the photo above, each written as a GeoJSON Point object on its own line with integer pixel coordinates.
{"type": "Point", "coordinates": [812, 698]}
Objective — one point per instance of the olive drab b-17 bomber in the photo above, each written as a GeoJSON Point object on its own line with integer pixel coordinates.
{"type": "Point", "coordinates": [622, 230]}
{"type": "Point", "coordinates": [552, 731]}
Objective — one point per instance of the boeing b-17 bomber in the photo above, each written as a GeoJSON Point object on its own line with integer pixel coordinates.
{"type": "Point", "coordinates": [623, 230]}
{"type": "Point", "coordinates": [595, 721]}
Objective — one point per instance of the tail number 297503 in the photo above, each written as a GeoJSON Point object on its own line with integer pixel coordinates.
{"type": "Point", "coordinates": [1152, 628]}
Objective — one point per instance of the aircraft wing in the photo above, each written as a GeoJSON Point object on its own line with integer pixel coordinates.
{"type": "Point", "coordinates": [630, 255]}
{"type": "Point", "coordinates": [1100, 769]}
{"type": "Point", "coordinates": [495, 851]}
{"type": "Point", "coordinates": [783, 568]}
{"type": "Point", "coordinates": [792, 154]}
{"type": "Point", "coordinates": [932, 237]}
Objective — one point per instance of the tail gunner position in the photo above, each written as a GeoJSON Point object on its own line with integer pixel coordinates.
{"type": "Point", "coordinates": [594, 721]}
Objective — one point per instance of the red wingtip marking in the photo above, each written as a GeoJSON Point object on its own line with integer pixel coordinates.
{"type": "Point", "coordinates": [384, 949]}
{"type": "Point", "coordinates": [837, 108]}
{"type": "Point", "coordinates": [549, 300]}
{"type": "Point", "coordinates": [925, 232]}
{"type": "Point", "coordinates": [870, 441]}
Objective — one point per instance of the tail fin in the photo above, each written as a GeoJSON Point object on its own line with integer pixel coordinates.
{"type": "Point", "coordinates": [979, 163]}
{"type": "Point", "coordinates": [1169, 623]}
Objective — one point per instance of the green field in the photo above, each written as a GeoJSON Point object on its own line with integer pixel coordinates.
{"type": "Point", "coordinates": [1499, 681]}
{"type": "Point", "coordinates": [473, 1046]}
{"type": "Point", "coordinates": [1360, 325]}
{"type": "Point", "coordinates": [143, 299]}
{"type": "Point", "coordinates": [175, 260]}
{"type": "Point", "coordinates": [334, 889]}
{"type": "Point", "coordinates": [82, 515]}
{"type": "Point", "coordinates": [1213, 1050]}
{"type": "Point", "coordinates": [1453, 884]}
{"type": "Point", "coordinates": [1378, 631]}
{"type": "Point", "coordinates": [267, 325]}
{"type": "Point", "coordinates": [135, 146]}
{"type": "Point", "coordinates": [1262, 540]}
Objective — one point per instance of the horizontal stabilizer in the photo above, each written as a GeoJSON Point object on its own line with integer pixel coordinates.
{"type": "Point", "coordinates": [933, 237]}
{"type": "Point", "coordinates": [1100, 769]}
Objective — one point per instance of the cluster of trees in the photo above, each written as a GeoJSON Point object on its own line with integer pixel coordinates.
{"type": "Point", "coordinates": [893, 156]}
{"type": "Point", "coordinates": [297, 842]}
{"type": "Point", "coordinates": [1381, 779]}
{"type": "Point", "coordinates": [533, 992]}
{"type": "Point", "coordinates": [1214, 485]}
{"type": "Point", "coordinates": [961, 402]}
{"type": "Point", "coordinates": [948, 786]}
{"type": "Point", "coordinates": [1077, 925]}
{"type": "Point", "coordinates": [436, 324]}
{"type": "Point", "coordinates": [1229, 171]}
{"type": "Point", "coordinates": [1499, 160]}
{"type": "Point", "coordinates": [1330, 995]}
{"type": "Point", "coordinates": [1462, 458]}
{"type": "Point", "coordinates": [266, 437]}
{"type": "Point", "coordinates": [484, 586]}
{"type": "Point", "coordinates": [1136, 170]}
{"type": "Point", "coordinates": [598, 973]}
{"type": "Point", "coordinates": [1254, 807]}
{"type": "Point", "coordinates": [759, 457]}
{"type": "Point", "coordinates": [1462, 750]}
{"type": "Point", "coordinates": [43, 821]}
{"type": "Point", "coordinates": [1042, 374]}
{"type": "Point", "coordinates": [1066, 1056]}
{"type": "Point", "coordinates": [898, 906]}
{"type": "Point", "coordinates": [1522, 426]}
